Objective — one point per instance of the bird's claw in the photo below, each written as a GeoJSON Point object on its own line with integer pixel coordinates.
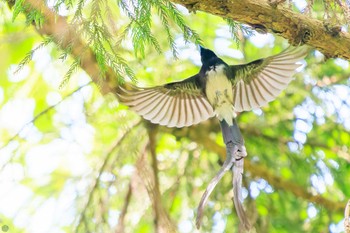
{"type": "Point", "coordinates": [236, 151]}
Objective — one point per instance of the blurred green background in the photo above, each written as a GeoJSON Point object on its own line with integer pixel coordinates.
{"type": "Point", "coordinates": [70, 158]}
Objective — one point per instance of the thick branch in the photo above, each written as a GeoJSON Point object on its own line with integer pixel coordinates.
{"type": "Point", "coordinates": [295, 27]}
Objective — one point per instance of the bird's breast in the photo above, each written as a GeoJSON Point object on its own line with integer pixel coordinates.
{"type": "Point", "coordinates": [220, 94]}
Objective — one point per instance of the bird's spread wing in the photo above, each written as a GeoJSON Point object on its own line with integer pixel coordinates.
{"type": "Point", "coordinates": [261, 81]}
{"type": "Point", "coordinates": [175, 104]}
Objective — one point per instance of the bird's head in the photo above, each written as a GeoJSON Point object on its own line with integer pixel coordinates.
{"type": "Point", "coordinates": [209, 60]}
{"type": "Point", "coordinates": [206, 55]}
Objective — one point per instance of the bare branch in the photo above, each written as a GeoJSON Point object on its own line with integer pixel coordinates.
{"type": "Point", "coordinates": [295, 27]}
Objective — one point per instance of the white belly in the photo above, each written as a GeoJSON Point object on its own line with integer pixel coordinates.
{"type": "Point", "coordinates": [220, 95]}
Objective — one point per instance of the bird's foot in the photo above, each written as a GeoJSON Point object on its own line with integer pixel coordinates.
{"type": "Point", "coordinates": [241, 152]}
{"type": "Point", "coordinates": [236, 151]}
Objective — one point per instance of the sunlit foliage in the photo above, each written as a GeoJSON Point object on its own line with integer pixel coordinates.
{"type": "Point", "coordinates": [73, 160]}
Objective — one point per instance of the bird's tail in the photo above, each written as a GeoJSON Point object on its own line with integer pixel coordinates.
{"type": "Point", "coordinates": [235, 147]}
{"type": "Point", "coordinates": [231, 133]}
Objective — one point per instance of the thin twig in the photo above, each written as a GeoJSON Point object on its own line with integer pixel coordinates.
{"type": "Point", "coordinates": [42, 113]}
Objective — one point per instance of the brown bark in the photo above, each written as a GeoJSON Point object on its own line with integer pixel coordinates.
{"type": "Point", "coordinates": [295, 27]}
{"type": "Point", "coordinates": [162, 220]}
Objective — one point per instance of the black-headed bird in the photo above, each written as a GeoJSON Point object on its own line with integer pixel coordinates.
{"type": "Point", "coordinates": [218, 89]}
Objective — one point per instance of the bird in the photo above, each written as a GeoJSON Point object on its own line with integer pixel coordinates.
{"type": "Point", "coordinates": [220, 90]}
{"type": "Point", "coordinates": [217, 89]}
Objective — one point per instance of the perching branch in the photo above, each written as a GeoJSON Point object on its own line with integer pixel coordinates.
{"type": "Point", "coordinates": [295, 27]}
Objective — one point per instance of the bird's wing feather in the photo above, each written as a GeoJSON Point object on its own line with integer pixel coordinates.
{"type": "Point", "coordinates": [175, 104]}
{"type": "Point", "coordinates": [261, 81]}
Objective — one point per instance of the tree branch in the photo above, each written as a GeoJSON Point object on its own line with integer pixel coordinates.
{"type": "Point", "coordinates": [120, 225]}
{"type": "Point", "coordinates": [200, 135]}
{"type": "Point", "coordinates": [295, 27]}
{"type": "Point", "coordinates": [152, 132]}
{"type": "Point", "coordinates": [163, 222]}
{"type": "Point", "coordinates": [66, 37]}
